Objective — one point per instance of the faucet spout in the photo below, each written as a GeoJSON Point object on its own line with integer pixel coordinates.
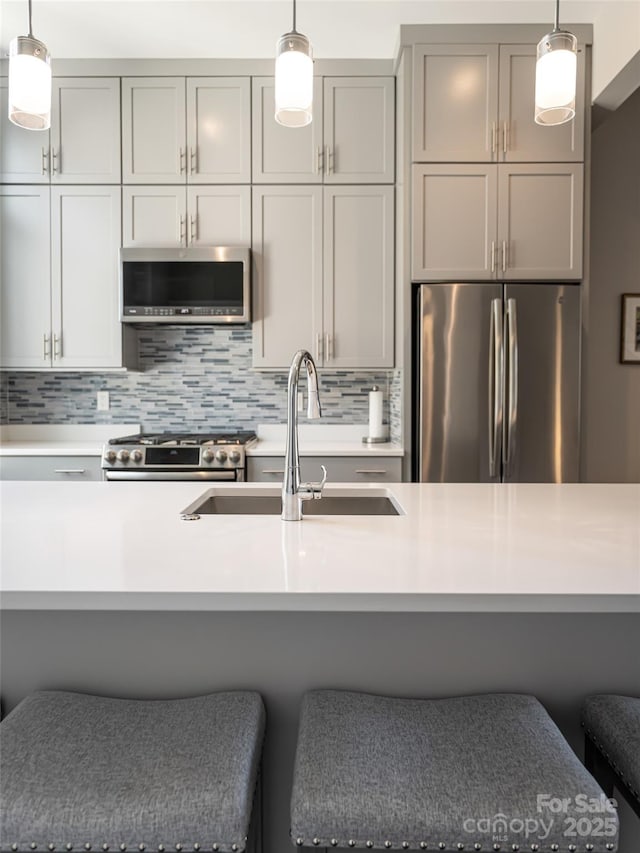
{"type": "Point", "coordinates": [293, 491]}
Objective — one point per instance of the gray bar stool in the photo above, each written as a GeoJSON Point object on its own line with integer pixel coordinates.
{"type": "Point", "coordinates": [612, 744]}
{"type": "Point", "coordinates": [88, 773]}
{"type": "Point", "coordinates": [476, 773]}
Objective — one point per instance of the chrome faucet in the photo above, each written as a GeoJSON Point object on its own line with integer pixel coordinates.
{"type": "Point", "coordinates": [293, 491]}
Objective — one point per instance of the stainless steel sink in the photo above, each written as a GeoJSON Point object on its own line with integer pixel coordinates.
{"type": "Point", "coordinates": [247, 501]}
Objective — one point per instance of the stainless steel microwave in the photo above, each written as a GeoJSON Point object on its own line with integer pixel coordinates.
{"type": "Point", "coordinates": [205, 285]}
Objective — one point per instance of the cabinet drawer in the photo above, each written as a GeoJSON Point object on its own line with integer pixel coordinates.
{"type": "Point", "coordinates": [340, 469]}
{"type": "Point", "coordinates": [65, 468]}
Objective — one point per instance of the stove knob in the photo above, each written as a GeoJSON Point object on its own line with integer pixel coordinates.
{"type": "Point", "coordinates": [110, 456]}
{"type": "Point", "coordinates": [234, 456]}
{"type": "Point", "coordinates": [136, 456]}
{"type": "Point", "coordinates": [221, 455]}
{"type": "Point", "coordinates": [207, 455]}
{"type": "Point", "coordinates": [123, 456]}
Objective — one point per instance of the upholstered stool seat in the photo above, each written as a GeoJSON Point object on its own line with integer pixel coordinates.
{"type": "Point", "coordinates": [87, 773]}
{"type": "Point", "coordinates": [612, 726]}
{"type": "Point", "coordinates": [471, 773]}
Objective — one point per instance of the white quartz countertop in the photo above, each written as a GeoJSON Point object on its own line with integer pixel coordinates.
{"type": "Point", "coordinates": [59, 439]}
{"type": "Point", "coordinates": [321, 440]}
{"type": "Point", "coordinates": [501, 548]}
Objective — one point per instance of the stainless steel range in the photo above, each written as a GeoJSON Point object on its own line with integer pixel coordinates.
{"type": "Point", "coordinates": [177, 456]}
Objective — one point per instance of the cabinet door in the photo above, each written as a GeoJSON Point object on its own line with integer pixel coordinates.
{"type": "Point", "coordinates": [219, 130]}
{"type": "Point", "coordinates": [455, 103]}
{"type": "Point", "coordinates": [281, 154]}
{"type": "Point", "coordinates": [287, 274]}
{"type": "Point", "coordinates": [154, 216]}
{"type": "Point", "coordinates": [85, 316]}
{"type": "Point", "coordinates": [521, 139]}
{"type": "Point", "coordinates": [85, 130]}
{"type": "Point", "coordinates": [540, 221]}
{"type": "Point", "coordinates": [219, 216]}
{"type": "Point", "coordinates": [358, 276]}
{"type": "Point", "coordinates": [67, 469]}
{"type": "Point", "coordinates": [153, 130]}
{"type": "Point", "coordinates": [359, 130]}
{"type": "Point", "coordinates": [454, 222]}
{"type": "Point", "coordinates": [340, 469]}
{"type": "Point", "coordinates": [25, 319]}
{"type": "Point", "coordinates": [24, 154]}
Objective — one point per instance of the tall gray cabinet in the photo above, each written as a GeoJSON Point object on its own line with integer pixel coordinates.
{"type": "Point", "coordinates": [494, 196]}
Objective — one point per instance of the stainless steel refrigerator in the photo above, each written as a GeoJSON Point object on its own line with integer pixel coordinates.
{"type": "Point", "coordinates": [498, 383]}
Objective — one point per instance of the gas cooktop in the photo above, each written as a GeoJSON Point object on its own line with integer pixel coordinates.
{"type": "Point", "coordinates": [185, 439]}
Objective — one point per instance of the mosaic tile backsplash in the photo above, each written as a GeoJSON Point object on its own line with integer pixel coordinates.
{"type": "Point", "coordinates": [191, 378]}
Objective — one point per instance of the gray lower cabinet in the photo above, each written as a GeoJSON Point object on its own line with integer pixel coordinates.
{"type": "Point", "coordinates": [73, 469]}
{"type": "Point", "coordinates": [483, 222]}
{"type": "Point", "coordinates": [340, 469]}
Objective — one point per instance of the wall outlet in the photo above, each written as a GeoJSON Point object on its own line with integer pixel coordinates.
{"type": "Point", "coordinates": [103, 401]}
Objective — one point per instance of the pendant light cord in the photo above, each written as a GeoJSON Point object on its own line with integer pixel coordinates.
{"type": "Point", "coordinates": [294, 16]}
{"type": "Point", "coordinates": [30, 31]}
{"type": "Point", "coordinates": [556, 25]}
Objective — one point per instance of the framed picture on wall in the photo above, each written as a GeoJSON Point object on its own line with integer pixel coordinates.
{"type": "Point", "coordinates": [630, 335]}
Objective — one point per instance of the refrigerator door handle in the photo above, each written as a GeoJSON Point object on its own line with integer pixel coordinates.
{"type": "Point", "coordinates": [496, 368]}
{"type": "Point", "coordinates": [511, 323]}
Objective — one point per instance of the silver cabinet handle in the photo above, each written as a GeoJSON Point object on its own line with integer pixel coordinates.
{"type": "Point", "coordinates": [319, 346]}
{"type": "Point", "coordinates": [496, 366]}
{"type": "Point", "coordinates": [57, 346]}
{"type": "Point", "coordinates": [193, 161]}
{"type": "Point", "coordinates": [45, 157]}
{"type": "Point", "coordinates": [182, 237]}
{"type": "Point", "coordinates": [329, 161]}
{"type": "Point", "coordinates": [505, 137]}
{"type": "Point", "coordinates": [511, 334]}
{"type": "Point", "coordinates": [69, 470]}
{"type": "Point", "coordinates": [54, 168]}
{"type": "Point", "coordinates": [328, 350]}
{"type": "Point", "coordinates": [493, 256]}
{"type": "Point", "coordinates": [272, 471]}
{"type": "Point", "coordinates": [494, 135]}
{"type": "Point", "coordinates": [371, 471]}
{"type": "Point", "coordinates": [192, 229]}
{"type": "Point", "coordinates": [46, 344]}
{"type": "Point", "coordinates": [319, 156]}
{"type": "Point", "coordinates": [183, 161]}
{"type": "Point", "coordinates": [504, 255]}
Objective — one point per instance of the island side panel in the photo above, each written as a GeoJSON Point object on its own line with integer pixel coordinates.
{"type": "Point", "coordinates": [560, 658]}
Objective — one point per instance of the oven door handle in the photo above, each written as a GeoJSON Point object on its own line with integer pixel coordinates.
{"type": "Point", "coordinates": [170, 475]}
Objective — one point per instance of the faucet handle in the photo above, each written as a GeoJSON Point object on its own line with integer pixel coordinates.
{"type": "Point", "coordinates": [309, 491]}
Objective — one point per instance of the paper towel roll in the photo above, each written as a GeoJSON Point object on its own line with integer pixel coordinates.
{"type": "Point", "coordinates": [376, 430]}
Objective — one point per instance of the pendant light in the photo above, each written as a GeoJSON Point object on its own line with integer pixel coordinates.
{"type": "Point", "coordinates": [294, 78]}
{"type": "Point", "coordinates": [29, 82]}
{"type": "Point", "coordinates": [556, 69]}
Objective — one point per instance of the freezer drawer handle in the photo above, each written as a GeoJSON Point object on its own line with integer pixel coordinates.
{"type": "Point", "coordinates": [511, 334]}
{"type": "Point", "coordinates": [496, 378]}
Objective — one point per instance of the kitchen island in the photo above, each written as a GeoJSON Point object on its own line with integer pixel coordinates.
{"type": "Point", "coordinates": [473, 588]}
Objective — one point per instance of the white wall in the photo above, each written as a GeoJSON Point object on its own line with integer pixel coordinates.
{"type": "Point", "coordinates": [611, 405]}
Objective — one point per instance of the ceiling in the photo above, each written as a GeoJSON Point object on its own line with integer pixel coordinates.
{"type": "Point", "coordinates": [337, 28]}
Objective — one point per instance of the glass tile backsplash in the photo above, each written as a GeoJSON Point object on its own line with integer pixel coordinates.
{"type": "Point", "coordinates": [191, 378]}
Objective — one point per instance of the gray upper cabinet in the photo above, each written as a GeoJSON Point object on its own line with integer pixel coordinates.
{"type": "Point", "coordinates": [540, 221]}
{"type": "Point", "coordinates": [497, 222]}
{"type": "Point", "coordinates": [351, 139]}
{"type": "Point", "coordinates": [287, 274]}
{"type": "Point", "coordinates": [358, 269]}
{"type": "Point", "coordinates": [455, 103]}
{"type": "Point", "coordinates": [154, 216]}
{"type": "Point", "coordinates": [284, 155]}
{"type": "Point", "coordinates": [359, 130]}
{"type": "Point", "coordinates": [475, 103]}
{"type": "Point", "coordinates": [83, 145]}
{"type": "Point", "coordinates": [154, 141]}
{"type": "Point", "coordinates": [454, 222]}
{"type": "Point", "coordinates": [521, 139]}
{"type": "Point", "coordinates": [219, 215]}
{"type": "Point", "coordinates": [218, 130]}
{"type": "Point", "coordinates": [195, 130]}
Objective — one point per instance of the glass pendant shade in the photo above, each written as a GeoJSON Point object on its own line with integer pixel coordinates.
{"type": "Point", "coordinates": [294, 80]}
{"type": "Point", "coordinates": [556, 72]}
{"type": "Point", "coordinates": [29, 83]}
